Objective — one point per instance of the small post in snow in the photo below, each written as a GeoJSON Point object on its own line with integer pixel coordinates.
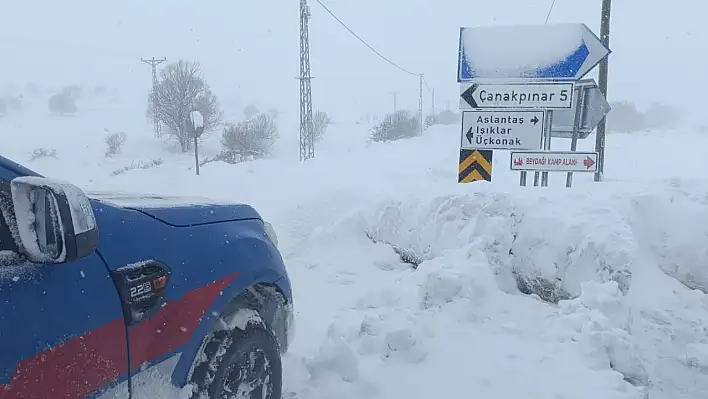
{"type": "Point", "coordinates": [195, 125]}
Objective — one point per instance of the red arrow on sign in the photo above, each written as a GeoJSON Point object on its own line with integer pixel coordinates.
{"type": "Point", "coordinates": [588, 162]}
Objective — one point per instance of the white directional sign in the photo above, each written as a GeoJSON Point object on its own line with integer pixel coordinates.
{"type": "Point", "coordinates": [502, 130]}
{"type": "Point", "coordinates": [554, 161]}
{"type": "Point", "coordinates": [516, 95]}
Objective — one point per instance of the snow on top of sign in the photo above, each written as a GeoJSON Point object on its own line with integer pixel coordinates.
{"type": "Point", "coordinates": [514, 50]}
{"type": "Point", "coordinates": [197, 119]}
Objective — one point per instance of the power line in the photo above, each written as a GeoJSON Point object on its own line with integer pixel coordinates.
{"type": "Point", "coordinates": [550, 11]}
{"type": "Point", "coordinates": [363, 41]}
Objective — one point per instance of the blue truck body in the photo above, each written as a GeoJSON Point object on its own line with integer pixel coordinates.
{"type": "Point", "coordinates": [63, 332]}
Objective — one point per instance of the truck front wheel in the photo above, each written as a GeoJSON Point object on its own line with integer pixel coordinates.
{"type": "Point", "coordinates": [250, 369]}
{"type": "Point", "coordinates": [246, 364]}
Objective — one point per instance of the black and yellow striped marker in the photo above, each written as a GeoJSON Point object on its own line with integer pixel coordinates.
{"type": "Point", "coordinates": [475, 165]}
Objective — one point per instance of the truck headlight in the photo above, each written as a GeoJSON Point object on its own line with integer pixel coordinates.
{"type": "Point", "coordinates": [270, 232]}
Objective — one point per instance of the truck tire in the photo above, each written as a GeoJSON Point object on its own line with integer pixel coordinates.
{"type": "Point", "coordinates": [250, 368]}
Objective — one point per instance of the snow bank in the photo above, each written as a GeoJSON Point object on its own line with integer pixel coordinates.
{"type": "Point", "coordinates": [628, 329]}
{"type": "Point", "coordinates": [530, 240]}
{"type": "Point", "coordinates": [446, 328]}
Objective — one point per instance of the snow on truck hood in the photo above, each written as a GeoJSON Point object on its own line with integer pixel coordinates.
{"type": "Point", "coordinates": [179, 211]}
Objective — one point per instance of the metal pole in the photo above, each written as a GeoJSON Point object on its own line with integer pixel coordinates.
{"type": "Point", "coordinates": [602, 84]}
{"type": "Point", "coordinates": [395, 105]}
{"type": "Point", "coordinates": [307, 144]}
{"type": "Point", "coordinates": [522, 178]}
{"type": "Point", "coordinates": [547, 144]}
{"type": "Point", "coordinates": [577, 124]}
{"type": "Point", "coordinates": [155, 118]}
{"type": "Point", "coordinates": [420, 104]}
{"type": "Point", "coordinates": [196, 154]}
{"type": "Point", "coordinates": [536, 177]}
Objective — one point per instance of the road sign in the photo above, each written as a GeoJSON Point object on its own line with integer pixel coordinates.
{"type": "Point", "coordinates": [516, 95]}
{"type": "Point", "coordinates": [502, 129]}
{"type": "Point", "coordinates": [528, 52]}
{"type": "Point", "coordinates": [554, 161]}
{"type": "Point", "coordinates": [594, 108]}
{"type": "Point", "coordinates": [475, 165]}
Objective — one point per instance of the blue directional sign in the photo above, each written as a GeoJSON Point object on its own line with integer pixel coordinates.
{"type": "Point", "coordinates": [555, 52]}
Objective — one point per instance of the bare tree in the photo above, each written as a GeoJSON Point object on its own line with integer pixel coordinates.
{"type": "Point", "coordinates": [114, 143]}
{"type": "Point", "coordinates": [181, 90]}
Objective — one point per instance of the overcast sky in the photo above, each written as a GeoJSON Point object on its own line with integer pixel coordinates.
{"type": "Point", "coordinates": [249, 50]}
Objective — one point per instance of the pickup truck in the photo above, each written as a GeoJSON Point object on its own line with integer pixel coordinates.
{"type": "Point", "coordinates": [97, 288]}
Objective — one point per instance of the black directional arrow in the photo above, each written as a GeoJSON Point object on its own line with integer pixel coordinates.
{"type": "Point", "coordinates": [469, 135]}
{"type": "Point", "coordinates": [468, 96]}
{"type": "Point", "coordinates": [534, 120]}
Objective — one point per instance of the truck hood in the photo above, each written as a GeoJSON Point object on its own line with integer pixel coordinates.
{"type": "Point", "coordinates": [178, 211]}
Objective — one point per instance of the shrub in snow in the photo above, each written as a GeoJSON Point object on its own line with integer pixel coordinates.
{"type": "Point", "coordinates": [114, 143]}
{"type": "Point", "coordinates": [250, 139]}
{"type": "Point", "coordinates": [320, 121]}
{"type": "Point", "coordinates": [138, 165]}
{"type": "Point", "coordinates": [62, 104]}
{"type": "Point", "coordinates": [181, 90]}
{"type": "Point", "coordinates": [396, 126]}
{"type": "Point", "coordinates": [43, 153]}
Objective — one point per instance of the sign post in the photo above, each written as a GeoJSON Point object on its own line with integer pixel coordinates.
{"type": "Point", "coordinates": [195, 126]}
{"type": "Point", "coordinates": [509, 96]}
{"type": "Point", "coordinates": [576, 130]}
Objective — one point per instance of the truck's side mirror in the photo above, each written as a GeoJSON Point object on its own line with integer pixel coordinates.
{"type": "Point", "coordinates": [55, 221]}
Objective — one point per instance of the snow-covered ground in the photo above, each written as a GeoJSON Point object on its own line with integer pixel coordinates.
{"type": "Point", "coordinates": [370, 325]}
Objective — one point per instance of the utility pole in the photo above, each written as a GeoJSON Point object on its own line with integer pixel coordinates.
{"type": "Point", "coordinates": [307, 144]}
{"type": "Point", "coordinates": [154, 63]}
{"type": "Point", "coordinates": [395, 104]}
{"type": "Point", "coordinates": [602, 84]}
{"type": "Point", "coordinates": [420, 103]}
